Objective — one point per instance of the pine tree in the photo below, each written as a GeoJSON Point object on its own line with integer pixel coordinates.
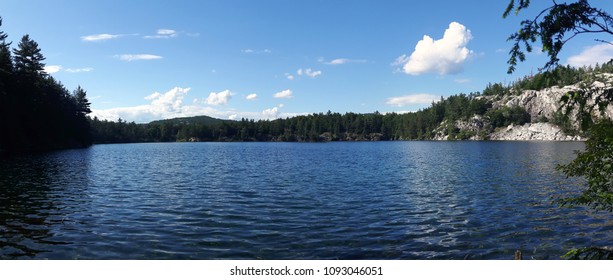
{"type": "Point", "coordinates": [28, 58]}
{"type": "Point", "coordinates": [6, 62]}
{"type": "Point", "coordinates": [83, 104]}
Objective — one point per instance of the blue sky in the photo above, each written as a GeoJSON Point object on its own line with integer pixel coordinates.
{"type": "Point", "coordinates": [148, 60]}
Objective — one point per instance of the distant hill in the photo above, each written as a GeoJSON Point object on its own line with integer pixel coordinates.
{"type": "Point", "coordinates": [198, 120]}
{"type": "Point", "coordinates": [531, 108]}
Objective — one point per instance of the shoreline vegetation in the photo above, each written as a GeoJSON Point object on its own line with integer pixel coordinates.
{"type": "Point", "coordinates": [37, 113]}
{"type": "Point", "coordinates": [531, 108]}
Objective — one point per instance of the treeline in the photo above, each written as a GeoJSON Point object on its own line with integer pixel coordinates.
{"type": "Point", "coordinates": [560, 76]}
{"type": "Point", "coordinates": [37, 113]}
{"type": "Point", "coordinates": [328, 126]}
{"type": "Point", "coordinates": [440, 119]}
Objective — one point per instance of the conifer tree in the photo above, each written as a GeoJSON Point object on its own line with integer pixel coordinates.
{"type": "Point", "coordinates": [28, 58]}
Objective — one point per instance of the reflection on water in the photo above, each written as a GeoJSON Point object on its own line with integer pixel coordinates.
{"type": "Point", "coordinates": [35, 199]}
{"type": "Point", "coordinates": [388, 200]}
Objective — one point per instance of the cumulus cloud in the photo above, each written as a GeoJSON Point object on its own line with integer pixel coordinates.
{"type": "Point", "coordinates": [161, 106]}
{"type": "Point", "coordinates": [171, 105]}
{"type": "Point", "coordinates": [443, 56]}
{"type": "Point", "coordinates": [219, 98]}
{"type": "Point", "coordinates": [100, 37]}
{"type": "Point", "coordinates": [163, 34]}
{"type": "Point", "coordinates": [289, 76]}
{"type": "Point", "coordinates": [590, 56]}
{"type": "Point", "coordinates": [252, 96]}
{"type": "Point", "coordinates": [308, 72]}
{"type": "Point", "coordinates": [413, 99]}
{"type": "Point", "coordinates": [283, 94]}
{"type": "Point", "coordinates": [272, 113]}
{"type": "Point", "coordinates": [50, 69]}
{"type": "Point", "coordinates": [133, 57]}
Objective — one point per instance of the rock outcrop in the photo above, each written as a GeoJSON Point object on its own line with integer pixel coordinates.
{"type": "Point", "coordinates": [542, 105]}
{"type": "Point", "coordinates": [533, 132]}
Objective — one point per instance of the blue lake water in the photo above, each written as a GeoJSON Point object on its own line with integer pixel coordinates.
{"type": "Point", "coordinates": [379, 200]}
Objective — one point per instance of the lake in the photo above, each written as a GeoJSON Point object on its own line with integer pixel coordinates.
{"type": "Point", "coordinates": [359, 200]}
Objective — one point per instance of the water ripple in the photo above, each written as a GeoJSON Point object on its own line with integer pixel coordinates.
{"type": "Point", "coordinates": [398, 200]}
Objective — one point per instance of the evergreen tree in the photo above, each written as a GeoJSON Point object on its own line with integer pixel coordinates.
{"type": "Point", "coordinates": [6, 62]}
{"type": "Point", "coordinates": [83, 104]}
{"type": "Point", "coordinates": [37, 113]}
{"type": "Point", "coordinates": [28, 58]}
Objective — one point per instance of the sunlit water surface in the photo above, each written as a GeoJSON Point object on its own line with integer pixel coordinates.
{"type": "Point", "coordinates": [383, 200]}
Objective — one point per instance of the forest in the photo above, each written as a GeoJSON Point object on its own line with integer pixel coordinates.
{"type": "Point", "coordinates": [329, 126]}
{"type": "Point", "coordinates": [37, 113]}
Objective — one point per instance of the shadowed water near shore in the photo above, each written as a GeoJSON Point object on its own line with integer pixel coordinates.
{"type": "Point", "coordinates": [384, 200]}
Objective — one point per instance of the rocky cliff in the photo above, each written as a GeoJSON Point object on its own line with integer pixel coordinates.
{"type": "Point", "coordinates": [533, 132]}
{"type": "Point", "coordinates": [542, 106]}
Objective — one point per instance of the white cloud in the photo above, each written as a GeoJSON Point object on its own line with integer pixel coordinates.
{"type": "Point", "coordinates": [132, 57]}
{"type": "Point", "coordinates": [272, 113]}
{"type": "Point", "coordinates": [219, 98]}
{"type": "Point", "coordinates": [283, 94]}
{"type": "Point", "coordinates": [171, 105]}
{"type": "Point", "coordinates": [252, 96]}
{"type": "Point", "coordinates": [462, 81]}
{"type": "Point", "coordinates": [590, 56]}
{"type": "Point", "coordinates": [162, 106]}
{"type": "Point", "coordinates": [79, 70]}
{"type": "Point", "coordinates": [340, 61]}
{"type": "Point", "coordinates": [413, 99]}
{"type": "Point", "coordinates": [163, 34]}
{"type": "Point", "coordinates": [50, 69]}
{"type": "Point", "coordinates": [100, 37]}
{"type": "Point", "coordinates": [289, 76]}
{"type": "Point", "coordinates": [308, 72]}
{"type": "Point", "coordinates": [265, 51]}
{"type": "Point", "coordinates": [444, 56]}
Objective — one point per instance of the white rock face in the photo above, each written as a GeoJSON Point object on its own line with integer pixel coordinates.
{"type": "Point", "coordinates": [544, 103]}
{"type": "Point", "coordinates": [541, 105]}
{"type": "Point", "coordinates": [533, 132]}
{"type": "Point", "coordinates": [538, 104]}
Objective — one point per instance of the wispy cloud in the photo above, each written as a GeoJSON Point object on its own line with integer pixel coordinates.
{"type": "Point", "coordinates": [50, 69]}
{"type": "Point", "coordinates": [133, 57]}
{"type": "Point", "coordinates": [100, 37]}
{"type": "Point", "coordinates": [252, 96]}
{"type": "Point", "coordinates": [341, 61]}
{"type": "Point", "coordinates": [79, 70]}
{"type": "Point", "coordinates": [289, 76]}
{"type": "Point", "coordinates": [309, 72]}
{"type": "Point", "coordinates": [163, 34]}
{"type": "Point", "coordinates": [462, 81]}
{"type": "Point", "coordinates": [600, 53]}
{"type": "Point", "coordinates": [412, 99]}
{"type": "Point", "coordinates": [252, 51]}
{"type": "Point", "coordinates": [283, 94]}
